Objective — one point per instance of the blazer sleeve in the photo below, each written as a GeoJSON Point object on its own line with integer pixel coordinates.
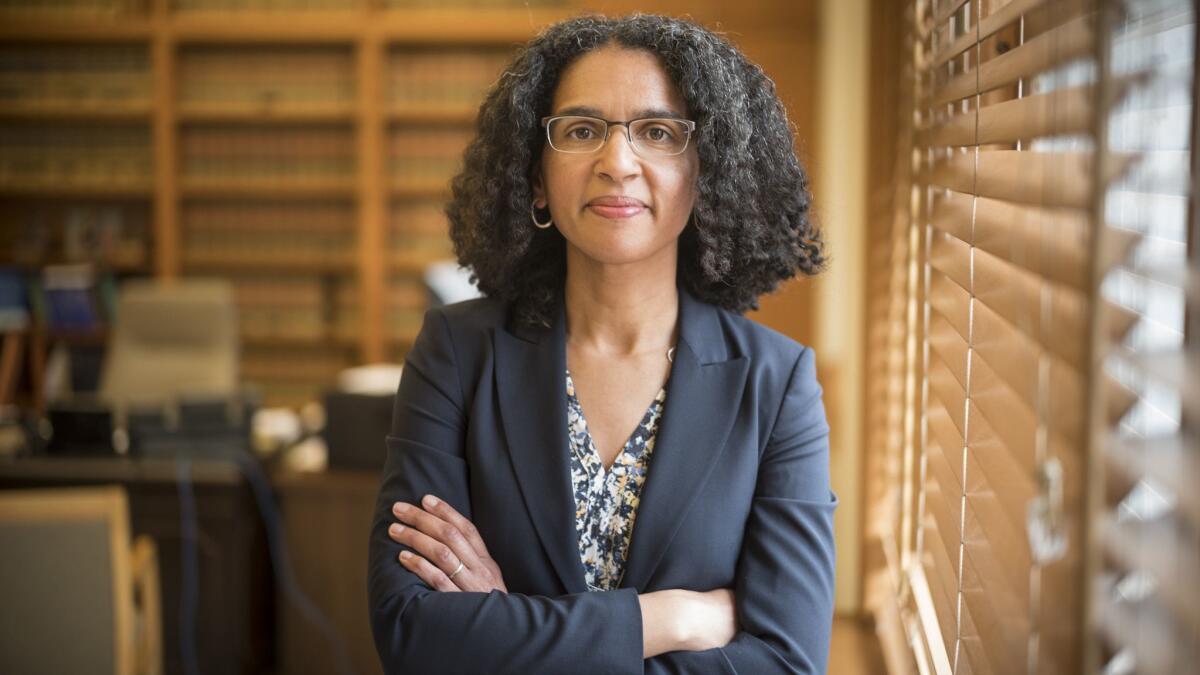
{"type": "Point", "coordinates": [420, 630]}
{"type": "Point", "coordinates": [784, 586]}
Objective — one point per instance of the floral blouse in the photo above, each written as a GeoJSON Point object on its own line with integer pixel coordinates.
{"type": "Point", "coordinates": [606, 502]}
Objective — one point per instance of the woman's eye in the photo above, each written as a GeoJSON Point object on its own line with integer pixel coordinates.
{"type": "Point", "coordinates": [658, 134]}
{"type": "Point", "coordinates": [580, 133]}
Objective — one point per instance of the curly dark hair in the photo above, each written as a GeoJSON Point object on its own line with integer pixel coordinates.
{"type": "Point", "coordinates": [750, 227]}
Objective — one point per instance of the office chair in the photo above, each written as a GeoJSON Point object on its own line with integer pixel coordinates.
{"type": "Point", "coordinates": [171, 339]}
{"type": "Point", "coordinates": [79, 597]}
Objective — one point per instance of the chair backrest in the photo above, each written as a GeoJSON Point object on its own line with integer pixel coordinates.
{"type": "Point", "coordinates": [65, 582]}
{"type": "Point", "coordinates": [170, 339]}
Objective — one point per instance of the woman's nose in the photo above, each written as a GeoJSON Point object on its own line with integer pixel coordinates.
{"type": "Point", "coordinates": [617, 159]}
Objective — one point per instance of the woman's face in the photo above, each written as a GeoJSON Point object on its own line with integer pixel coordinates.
{"type": "Point", "coordinates": [617, 83]}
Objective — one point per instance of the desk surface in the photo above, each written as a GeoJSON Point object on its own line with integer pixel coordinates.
{"type": "Point", "coordinates": [122, 469]}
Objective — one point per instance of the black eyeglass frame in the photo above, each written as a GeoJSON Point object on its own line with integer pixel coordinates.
{"type": "Point", "coordinates": [608, 124]}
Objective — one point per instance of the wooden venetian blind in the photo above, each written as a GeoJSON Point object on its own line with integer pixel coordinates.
{"type": "Point", "coordinates": [1147, 591]}
{"type": "Point", "coordinates": [1035, 468]}
{"type": "Point", "coordinates": [1007, 177]}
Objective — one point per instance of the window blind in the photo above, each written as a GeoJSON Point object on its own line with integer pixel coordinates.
{"type": "Point", "coordinates": [990, 328]}
{"type": "Point", "coordinates": [1147, 590]}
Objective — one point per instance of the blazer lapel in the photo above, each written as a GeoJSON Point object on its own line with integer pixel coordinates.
{"type": "Point", "coordinates": [702, 400]}
{"type": "Point", "coordinates": [530, 378]}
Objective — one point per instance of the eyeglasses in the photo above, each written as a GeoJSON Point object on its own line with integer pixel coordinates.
{"type": "Point", "coordinates": [649, 137]}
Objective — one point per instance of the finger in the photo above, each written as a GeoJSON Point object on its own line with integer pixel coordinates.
{"type": "Point", "coordinates": [484, 561]}
{"type": "Point", "coordinates": [448, 513]}
{"type": "Point", "coordinates": [426, 546]}
{"type": "Point", "coordinates": [428, 573]}
{"type": "Point", "coordinates": [443, 533]}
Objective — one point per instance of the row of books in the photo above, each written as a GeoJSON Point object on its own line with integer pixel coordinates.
{"type": "Point", "coordinates": [267, 153]}
{"type": "Point", "coordinates": [271, 216]}
{"type": "Point", "coordinates": [76, 8]}
{"type": "Point", "coordinates": [122, 8]}
{"type": "Point", "coordinates": [321, 297]}
{"type": "Point", "coordinates": [116, 155]}
{"type": "Point", "coordinates": [77, 73]}
{"type": "Point", "coordinates": [443, 76]}
{"type": "Point", "coordinates": [431, 153]}
{"type": "Point", "coordinates": [478, 4]}
{"type": "Point", "coordinates": [266, 5]}
{"type": "Point", "coordinates": [297, 232]}
{"type": "Point", "coordinates": [108, 234]}
{"type": "Point", "coordinates": [266, 75]}
{"type": "Point", "coordinates": [328, 5]}
{"type": "Point", "coordinates": [258, 290]}
{"type": "Point", "coordinates": [318, 363]}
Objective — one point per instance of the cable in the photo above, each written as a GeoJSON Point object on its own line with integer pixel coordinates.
{"type": "Point", "coordinates": [261, 488]}
{"type": "Point", "coordinates": [190, 584]}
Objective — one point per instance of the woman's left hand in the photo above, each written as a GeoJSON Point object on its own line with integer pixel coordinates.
{"type": "Point", "coordinates": [442, 539]}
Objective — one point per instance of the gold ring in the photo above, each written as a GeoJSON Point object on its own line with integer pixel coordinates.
{"type": "Point", "coordinates": [460, 568]}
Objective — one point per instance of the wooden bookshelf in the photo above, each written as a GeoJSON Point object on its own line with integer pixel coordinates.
{"type": "Point", "coordinates": [305, 109]}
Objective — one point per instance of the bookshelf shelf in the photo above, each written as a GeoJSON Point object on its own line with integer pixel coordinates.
{"type": "Point", "coordinates": [266, 114]}
{"type": "Point", "coordinates": [415, 262]}
{"type": "Point", "coordinates": [256, 262]}
{"type": "Point", "coordinates": [286, 341]}
{"type": "Point", "coordinates": [9, 188]}
{"type": "Point", "coordinates": [63, 26]}
{"type": "Point", "coordinates": [432, 113]}
{"type": "Point", "coordinates": [75, 111]}
{"type": "Point", "coordinates": [466, 26]}
{"type": "Point", "coordinates": [127, 263]}
{"type": "Point", "coordinates": [420, 189]}
{"type": "Point", "coordinates": [227, 27]}
{"type": "Point", "coordinates": [271, 190]}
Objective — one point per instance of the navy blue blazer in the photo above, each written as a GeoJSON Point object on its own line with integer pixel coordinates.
{"type": "Point", "coordinates": [737, 496]}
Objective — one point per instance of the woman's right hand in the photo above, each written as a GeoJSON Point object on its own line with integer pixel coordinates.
{"type": "Point", "coordinates": [709, 619]}
{"type": "Point", "coordinates": [681, 620]}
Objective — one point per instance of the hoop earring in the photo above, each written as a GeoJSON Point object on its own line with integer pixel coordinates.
{"type": "Point", "coordinates": [533, 216]}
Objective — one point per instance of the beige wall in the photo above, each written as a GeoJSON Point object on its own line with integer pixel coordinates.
{"type": "Point", "coordinates": [841, 195]}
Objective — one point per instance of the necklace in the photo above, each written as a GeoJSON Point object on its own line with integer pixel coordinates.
{"type": "Point", "coordinates": [671, 355]}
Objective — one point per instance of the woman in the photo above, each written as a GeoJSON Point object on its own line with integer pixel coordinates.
{"type": "Point", "coordinates": [632, 190]}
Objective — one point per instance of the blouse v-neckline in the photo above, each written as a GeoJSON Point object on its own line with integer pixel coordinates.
{"type": "Point", "coordinates": [592, 452]}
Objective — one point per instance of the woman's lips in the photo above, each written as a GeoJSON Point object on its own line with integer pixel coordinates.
{"type": "Point", "coordinates": [616, 207]}
{"type": "Point", "coordinates": [616, 212]}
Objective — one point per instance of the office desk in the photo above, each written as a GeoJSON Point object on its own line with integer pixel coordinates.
{"type": "Point", "coordinates": [234, 622]}
{"type": "Point", "coordinates": [327, 519]}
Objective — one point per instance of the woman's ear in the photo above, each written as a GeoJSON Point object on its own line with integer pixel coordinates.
{"type": "Point", "coordinates": [539, 189]}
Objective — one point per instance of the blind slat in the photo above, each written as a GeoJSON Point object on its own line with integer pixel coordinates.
{"type": "Point", "coordinates": [951, 301]}
{"type": "Point", "coordinates": [1051, 243]}
{"type": "Point", "coordinates": [1153, 548]}
{"type": "Point", "coordinates": [1000, 619]}
{"type": "Point", "coordinates": [973, 656]}
{"type": "Point", "coordinates": [1168, 368]}
{"type": "Point", "coordinates": [1061, 179]}
{"type": "Point", "coordinates": [942, 579]}
{"type": "Point", "coordinates": [1166, 460]}
{"type": "Point", "coordinates": [945, 386]}
{"type": "Point", "coordinates": [1056, 12]}
{"type": "Point", "coordinates": [1011, 481]}
{"type": "Point", "coordinates": [1022, 300]}
{"type": "Point", "coordinates": [1058, 45]}
{"type": "Point", "coordinates": [942, 429]}
{"type": "Point", "coordinates": [951, 256]}
{"type": "Point", "coordinates": [951, 211]}
{"type": "Point", "coordinates": [1063, 111]}
{"type": "Point", "coordinates": [949, 347]}
{"type": "Point", "coordinates": [999, 546]}
{"type": "Point", "coordinates": [1012, 421]}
